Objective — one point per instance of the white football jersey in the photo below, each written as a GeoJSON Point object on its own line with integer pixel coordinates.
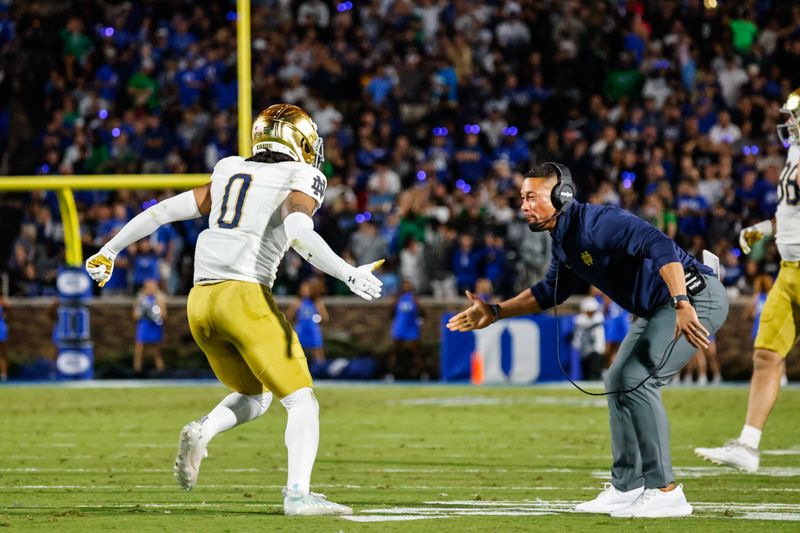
{"type": "Point", "coordinates": [245, 239]}
{"type": "Point", "coordinates": [787, 217]}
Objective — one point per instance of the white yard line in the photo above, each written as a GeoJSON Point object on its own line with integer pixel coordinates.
{"type": "Point", "coordinates": [473, 400]}
{"type": "Point", "coordinates": [456, 508]}
{"type": "Point", "coordinates": [791, 451]}
{"type": "Point", "coordinates": [715, 471]}
{"type": "Point", "coordinates": [450, 509]}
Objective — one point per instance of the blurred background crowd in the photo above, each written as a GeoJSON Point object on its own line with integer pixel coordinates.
{"type": "Point", "coordinates": [431, 111]}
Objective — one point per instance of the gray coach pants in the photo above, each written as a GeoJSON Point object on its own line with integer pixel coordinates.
{"type": "Point", "coordinates": [639, 425]}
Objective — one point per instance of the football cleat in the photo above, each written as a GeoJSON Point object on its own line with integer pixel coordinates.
{"type": "Point", "coordinates": [609, 500]}
{"type": "Point", "coordinates": [296, 503]}
{"type": "Point", "coordinates": [191, 452]}
{"type": "Point", "coordinates": [735, 453]}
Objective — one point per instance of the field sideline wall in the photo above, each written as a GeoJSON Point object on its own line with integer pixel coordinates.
{"type": "Point", "coordinates": [355, 328]}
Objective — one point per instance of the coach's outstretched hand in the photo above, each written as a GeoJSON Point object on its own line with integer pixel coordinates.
{"type": "Point", "coordinates": [477, 316]}
{"type": "Point", "coordinates": [101, 265]}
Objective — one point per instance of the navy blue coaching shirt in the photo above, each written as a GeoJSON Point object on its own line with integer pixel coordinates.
{"type": "Point", "coordinates": [617, 252]}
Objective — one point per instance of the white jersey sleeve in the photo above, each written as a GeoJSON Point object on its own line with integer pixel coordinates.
{"type": "Point", "coordinates": [787, 216]}
{"type": "Point", "coordinates": [310, 181]}
{"type": "Point", "coordinates": [245, 239]}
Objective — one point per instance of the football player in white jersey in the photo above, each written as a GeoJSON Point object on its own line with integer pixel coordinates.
{"type": "Point", "coordinates": [258, 207]}
{"type": "Point", "coordinates": [779, 327]}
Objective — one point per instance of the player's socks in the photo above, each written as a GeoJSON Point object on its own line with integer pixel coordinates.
{"type": "Point", "coordinates": [302, 437]}
{"type": "Point", "coordinates": [750, 436]}
{"type": "Point", "coordinates": [235, 409]}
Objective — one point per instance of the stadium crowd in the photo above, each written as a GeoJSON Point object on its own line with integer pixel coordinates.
{"type": "Point", "coordinates": [431, 111]}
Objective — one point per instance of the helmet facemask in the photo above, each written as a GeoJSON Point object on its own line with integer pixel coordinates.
{"type": "Point", "coordinates": [789, 131]}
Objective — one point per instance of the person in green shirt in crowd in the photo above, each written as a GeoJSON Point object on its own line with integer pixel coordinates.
{"type": "Point", "coordinates": [142, 88]}
{"type": "Point", "coordinates": [744, 32]}
{"type": "Point", "coordinates": [660, 215]}
{"type": "Point", "coordinates": [77, 45]}
{"type": "Point", "coordinates": [624, 81]}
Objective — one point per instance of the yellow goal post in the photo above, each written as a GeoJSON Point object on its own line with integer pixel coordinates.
{"type": "Point", "coordinates": [64, 185]}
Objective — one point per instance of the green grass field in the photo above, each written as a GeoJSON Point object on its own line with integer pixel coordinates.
{"type": "Point", "coordinates": [453, 458]}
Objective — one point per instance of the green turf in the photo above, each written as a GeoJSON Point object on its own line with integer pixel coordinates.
{"type": "Point", "coordinates": [101, 460]}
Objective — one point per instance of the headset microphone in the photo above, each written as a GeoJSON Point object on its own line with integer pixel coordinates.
{"type": "Point", "coordinates": [540, 225]}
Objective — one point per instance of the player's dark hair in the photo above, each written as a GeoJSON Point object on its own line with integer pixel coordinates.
{"type": "Point", "coordinates": [268, 156]}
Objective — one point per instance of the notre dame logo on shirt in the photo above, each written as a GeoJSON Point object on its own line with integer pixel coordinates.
{"type": "Point", "coordinates": [587, 258]}
{"type": "Point", "coordinates": [318, 186]}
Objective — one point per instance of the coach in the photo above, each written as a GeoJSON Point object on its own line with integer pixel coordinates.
{"type": "Point", "coordinates": [679, 303]}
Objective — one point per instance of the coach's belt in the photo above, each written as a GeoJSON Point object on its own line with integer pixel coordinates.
{"type": "Point", "coordinates": [793, 264]}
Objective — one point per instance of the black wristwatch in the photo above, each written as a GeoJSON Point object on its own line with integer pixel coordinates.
{"type": "Point", "coordinates": [676, 300]}
{"type": "Point", "coordinates": [495, 311]}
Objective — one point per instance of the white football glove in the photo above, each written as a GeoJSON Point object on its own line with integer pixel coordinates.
{"type": "Point", "coordinates": [101, 265]}
{"type": "Point", "coordinates": [363, 282]}
{"type": "Point", "coordinates": [752, 234]}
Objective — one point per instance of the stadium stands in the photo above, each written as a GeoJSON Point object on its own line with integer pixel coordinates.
{"type": "Point", "coordinates": [430, 110]}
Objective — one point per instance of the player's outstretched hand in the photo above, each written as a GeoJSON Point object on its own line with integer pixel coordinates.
{"type": "Point", "coordinates": [101, 265]}
{"type": "Point", "coordinates": [752, 234]}
{"type": "Point", "coordinates": [477, 316]}
{"type": "Point", "coordinates": [363, 282]}
{"type": "Point", "coordinates": [748, 237]}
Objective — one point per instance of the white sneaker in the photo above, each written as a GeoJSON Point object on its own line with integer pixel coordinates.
{"type": "Point", "coordinates": [191, 452]}
{"type": "Point", "coordinates": [296, 503]}
{"type": "Point", "coordinates": [734, 453]}
{"type": "Point", "coordinates": [609, 500]}
{"type": "Point", "coordinates": [653, 503]}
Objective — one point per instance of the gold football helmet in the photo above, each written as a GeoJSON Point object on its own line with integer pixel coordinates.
{"type": "Point", "coordinates": [789, 131]}
{"type": "Point", "coordinates": [288, 129]}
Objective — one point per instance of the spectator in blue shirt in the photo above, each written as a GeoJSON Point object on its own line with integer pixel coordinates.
{"type": "Point", "coordinates": [495, 260]}
{"type": "Point", "coordinates": [107, 80]}
{"type": "Point", "coordinates": [513, 148]}
{"type": "Point", "coordinates": [380, 86]}
{"type": "Point", "coordinates": [149, 312]}
{"type": "Point", "coordinates": [466, 262]}
{"type": "Point", "coordinates": [472, 164]}
{"type": "Point", "coordinates": [692, 209]}
{"type": "Point", "coordinates": [190, 85]}
{"type": "Point", "coordinates": [407, 335]}
{"type": "Point", "coordinates": [750, 191]}
{"type": "Point", "coordinates": [680, 304]}
{"type": "Point", "coordinates": [181, 38]}
{"type": "Point", "coordinates": [156, 146]}
{"type": "Point", "coordinates": [145, 264]}
{"type": "Point", "coordinates": [439, 155]}
{"type": "Point", "coordinates": [768, 203]}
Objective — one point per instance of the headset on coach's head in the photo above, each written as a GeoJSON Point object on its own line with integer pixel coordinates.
{"type": "Point", "coordinates": [564, 191]}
